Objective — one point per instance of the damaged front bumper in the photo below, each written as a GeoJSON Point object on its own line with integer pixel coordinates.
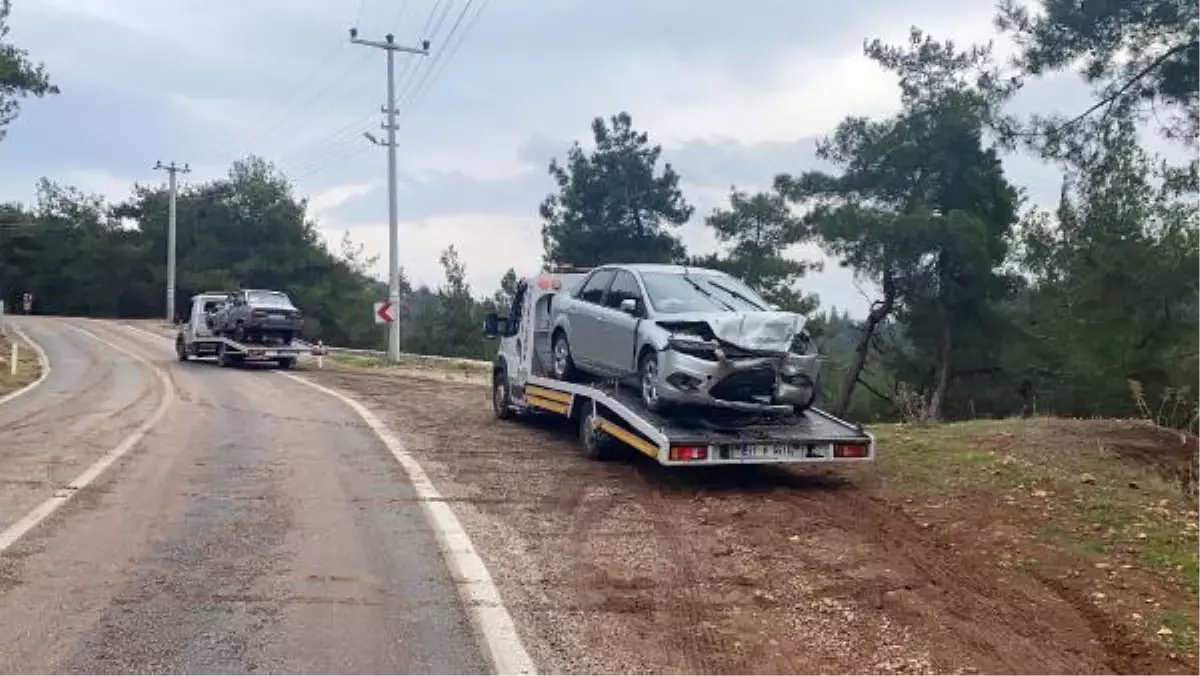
{"type": "Point", "coordinates": [701, 373]}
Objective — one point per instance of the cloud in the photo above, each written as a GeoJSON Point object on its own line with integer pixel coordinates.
{"type": "Point", "coordinates": [488, 245]}
{"type": "Point", "coordinates": [332, 198]}
{"type": "Point", "coordinates": [735, 94]}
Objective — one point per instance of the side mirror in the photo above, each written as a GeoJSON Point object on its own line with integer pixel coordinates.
{"type": "Point", "coordinates": [494, 325]}
{"type": "Point", "coordinates": [630, 307]}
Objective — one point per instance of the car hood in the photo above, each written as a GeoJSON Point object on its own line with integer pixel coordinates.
{"type": "Point", "coordinates": [766, 331]}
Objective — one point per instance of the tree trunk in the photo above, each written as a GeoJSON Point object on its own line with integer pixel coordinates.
{"type": "Point", "coordinates": [878, 313]}
{"type": "Point", "coordinates": [943, 379]}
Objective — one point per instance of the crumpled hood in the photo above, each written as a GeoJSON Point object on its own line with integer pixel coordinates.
{"type": "Point", "coordinates": [771, 331]}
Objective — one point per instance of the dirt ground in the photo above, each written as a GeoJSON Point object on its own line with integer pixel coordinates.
{"type": "Point", "coordinates": [1007, 547]}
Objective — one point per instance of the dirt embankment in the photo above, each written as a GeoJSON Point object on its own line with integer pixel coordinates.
{"type": "Point", "coordinates": [1031, 546]}
{"type": "Point", "coordinates": [28, 367]}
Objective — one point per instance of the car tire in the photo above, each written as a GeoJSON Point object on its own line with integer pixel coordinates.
{"type": "Point", "coordinates": [287, 363]}
{"type": "Point", "coordinates": [501, 395]}
{"type": "Point", "coordinates": [647, 381]}
{"type": "Point", "coordinates": [562, 365]}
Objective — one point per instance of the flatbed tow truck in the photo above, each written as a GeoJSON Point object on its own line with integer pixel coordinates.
{"type": "Point", "coordinates": [195, 340]}
{"type": "Point", "coordinates": [608, 411]}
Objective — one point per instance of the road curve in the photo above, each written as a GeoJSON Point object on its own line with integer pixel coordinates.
{"type": "Point", "coordinates": [258, 527]}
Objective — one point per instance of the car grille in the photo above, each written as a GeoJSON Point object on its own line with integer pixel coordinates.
{"type": "Point", "coordinates": [746, 385]}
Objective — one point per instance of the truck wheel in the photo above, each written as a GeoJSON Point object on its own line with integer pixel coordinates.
{"type": "Point", "coordinates": [596, 444]}
{"type": "Point", "coordinates": [501, 397]}
{"type": "Point", "coordinates": [287, 362]}
{"type": "Point", "coordinates": [181, 349]}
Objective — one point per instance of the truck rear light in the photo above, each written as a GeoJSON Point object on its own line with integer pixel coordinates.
{"type": "Point", "coordinates": [850, 451]}
{"type": "Point", "coordinates": [689, 453]}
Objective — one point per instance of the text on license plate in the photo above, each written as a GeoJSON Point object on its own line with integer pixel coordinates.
{"type": "Point", "coordinates": [749, 451]}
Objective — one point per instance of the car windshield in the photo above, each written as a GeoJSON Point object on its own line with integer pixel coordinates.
{"type": "Point", "coordinates": [268, 298]}
{"type": "Point", "coordinates": [675, 292]}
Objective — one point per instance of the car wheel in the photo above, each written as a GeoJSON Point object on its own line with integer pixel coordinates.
{"type": "Point", "coordinates": [287, 363]}
{"type": "Point", "coordinates": [501, 398]}
{"type": "Point", "coordinates": [648, 376]}
{"type": "Point", "coordinates": [562, 363]}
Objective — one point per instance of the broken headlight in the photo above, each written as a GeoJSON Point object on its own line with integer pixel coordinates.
{"type": "Point", "coordinates": [693, 347]}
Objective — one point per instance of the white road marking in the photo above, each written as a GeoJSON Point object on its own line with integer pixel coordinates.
{"type": "Point", "coordinates": [38, 514]}
{"type": "Point", "coordinates": [498, 633]}
{"type": "Point", "coordinates": [43, 362]}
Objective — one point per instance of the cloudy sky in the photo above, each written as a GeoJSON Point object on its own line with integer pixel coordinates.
{"type": "Point", "coordinates": [735, 92]}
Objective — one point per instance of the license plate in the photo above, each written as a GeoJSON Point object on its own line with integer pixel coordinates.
{"type": "Point", "coordinates": [779, 451]}
{"type": "Point", "coordinates": [756, 451]}
{"type": "Point", "coordinates": [278, 316]}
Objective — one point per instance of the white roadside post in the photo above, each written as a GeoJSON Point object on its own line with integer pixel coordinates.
{"type": "Point", "coordinates": [12, 366]}
{"type": "Point", "coordinates": [320, 354]}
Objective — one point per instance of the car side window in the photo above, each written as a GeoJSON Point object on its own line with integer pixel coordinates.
{"type": "Point", "coordinates": [593, 291]}
{"type": "Point", "coordinates": [624, 286]}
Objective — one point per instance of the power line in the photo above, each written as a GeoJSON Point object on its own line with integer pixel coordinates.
{"type": "Point", "coordinates": [449, 52]}
{"type": "Point", "coordinates": [317, 163]}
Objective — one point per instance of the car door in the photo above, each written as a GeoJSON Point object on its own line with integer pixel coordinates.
{"type": "Point", "coordinates": [615, 331]}
{"type": "Point", "coordinates": [584, 316]}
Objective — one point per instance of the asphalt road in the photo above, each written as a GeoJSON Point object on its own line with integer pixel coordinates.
{"type": "Point", "coordinates": [258, 527]}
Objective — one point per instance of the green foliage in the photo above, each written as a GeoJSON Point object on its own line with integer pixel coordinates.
{"type": "Point", "coordinates": [612, 204]}
{"type": "Point", "coordinates": [757, 229]}
{"type": "Point", "coordinates": [1138, 54]}
{"type": "Point", "coordinates": [245, 230]}
{"type": "Point", "coordinates": [19, 77]}
{"type": "Point", "coordinates": [921, 207]}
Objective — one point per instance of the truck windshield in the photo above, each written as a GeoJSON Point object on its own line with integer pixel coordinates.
{"type": "Point", "coordinates": [268, 298]}
{"type": "Point", "coordinates": [674, 292]}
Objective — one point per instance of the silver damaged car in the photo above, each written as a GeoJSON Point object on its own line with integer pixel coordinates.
{"type": "Point", "coordinates": [686, 336]}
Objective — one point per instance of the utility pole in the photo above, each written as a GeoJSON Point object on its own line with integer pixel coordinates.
{"type": "Point", "coordinates": [389, 45]}
{"type": "Point", "coordinates": [172, 185]}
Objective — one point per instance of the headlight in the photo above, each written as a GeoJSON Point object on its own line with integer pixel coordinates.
{"type": "Point", "coordinates": [693, 347]}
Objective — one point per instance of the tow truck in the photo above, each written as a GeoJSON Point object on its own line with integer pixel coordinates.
{"type": "Point", "coordinates": [609, 412]}
{"type": "Point", "coordinates": [195, 339]}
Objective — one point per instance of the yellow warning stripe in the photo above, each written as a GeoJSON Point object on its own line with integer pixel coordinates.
{"type": "Point", "coordinates": [552, 395]}
{"type": "Point", "coordinates": [629, 438]}
{"type": "Point", "coordinates": [556, 406]}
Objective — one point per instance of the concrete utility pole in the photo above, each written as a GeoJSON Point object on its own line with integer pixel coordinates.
{"type": "Point", "coordinates": [389, 46]}
{"type": "Point", "coordinates": [172, 169]}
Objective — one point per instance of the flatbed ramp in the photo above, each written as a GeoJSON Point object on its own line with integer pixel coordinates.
{"type": "Point", "coordinates": [616, 413]}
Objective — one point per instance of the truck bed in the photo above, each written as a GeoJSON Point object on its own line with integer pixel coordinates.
{"type": "Point", "coordinates": [814, 436]}
{"type": "Point", "coordinates": [814, 425]}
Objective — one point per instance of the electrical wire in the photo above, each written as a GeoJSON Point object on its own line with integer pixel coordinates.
{"type": "Point", "coordinates": [411, 103]}
{"type": "Point", "coordinates": [317, 164]}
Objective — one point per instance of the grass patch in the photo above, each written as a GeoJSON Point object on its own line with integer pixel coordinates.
{"type": "Point", "coordinates": [1181, 638]}
{"type": "Point", "coordinates": [28, 368]}
{"type": "Point", "coordinates": [943, 459]}
{"type": "Point", "coordinates": [410, 366]}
